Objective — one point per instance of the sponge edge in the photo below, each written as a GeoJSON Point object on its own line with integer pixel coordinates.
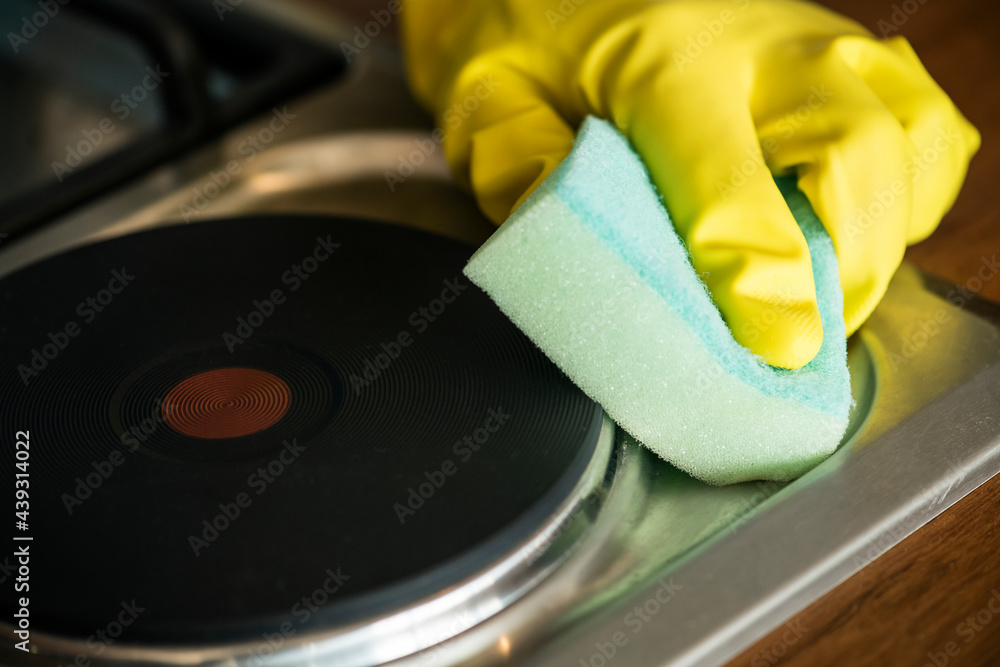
{"type": "Point", "coordinates": [591, 269]}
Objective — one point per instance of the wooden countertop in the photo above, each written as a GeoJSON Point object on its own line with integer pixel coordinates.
{"type": "Point", "coordinates": [933, 599]}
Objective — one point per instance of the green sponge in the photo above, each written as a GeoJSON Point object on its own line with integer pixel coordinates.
{"type": "Point", "coordinates": [591, 269]}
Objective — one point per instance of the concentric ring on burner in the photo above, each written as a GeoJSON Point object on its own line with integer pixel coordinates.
{"type": "Point", "coordinates": [427, 445]}
{"type": "Point", "coordinates": [226, 403]}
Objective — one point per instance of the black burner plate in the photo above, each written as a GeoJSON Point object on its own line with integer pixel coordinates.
{"type": "Point", "coordinates": [425, 435]}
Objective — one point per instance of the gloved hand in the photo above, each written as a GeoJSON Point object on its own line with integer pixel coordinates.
{"type": "Point", "coordinates": [714, 95]}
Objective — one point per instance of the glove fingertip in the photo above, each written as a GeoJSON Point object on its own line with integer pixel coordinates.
{"type": "Point", "coordinates": [786, 339]}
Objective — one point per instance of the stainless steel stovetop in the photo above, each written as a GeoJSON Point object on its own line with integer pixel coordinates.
{"type": "Point", "coordinates": [642, 565]}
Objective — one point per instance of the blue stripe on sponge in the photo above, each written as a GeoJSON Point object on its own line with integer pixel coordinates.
{"type": "Point", "coordinates": [591, 269]}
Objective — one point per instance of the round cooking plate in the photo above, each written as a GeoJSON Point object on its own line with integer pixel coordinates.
{"type": "Point", "coordinates": [241, 423]}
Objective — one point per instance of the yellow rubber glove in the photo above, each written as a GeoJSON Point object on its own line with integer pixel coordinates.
{"type": "Point", "coordinates": [714, 95]}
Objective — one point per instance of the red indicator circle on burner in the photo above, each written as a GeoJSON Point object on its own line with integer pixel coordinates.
{"type": "Point", "coordinates": [226, 403]}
